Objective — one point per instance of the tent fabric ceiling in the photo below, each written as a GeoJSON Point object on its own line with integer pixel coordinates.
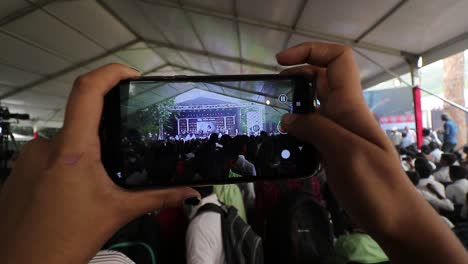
{"type": "Point", "coordinates": [46, 44]}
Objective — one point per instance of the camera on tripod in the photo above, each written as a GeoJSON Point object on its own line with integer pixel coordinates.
{"type": "Point", "coordinates": [5, 115]}
{"type": "Point", "coordinates": [5, 137]}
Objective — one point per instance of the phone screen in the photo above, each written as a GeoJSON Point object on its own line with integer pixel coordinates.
{"type": "Point", "coordinates": [160, 132]}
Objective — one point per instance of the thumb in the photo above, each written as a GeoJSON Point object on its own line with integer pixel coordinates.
{"type": "Point", "coordinates": [324, 134]}
{"type": "Point", "coordinates": [151, 200]}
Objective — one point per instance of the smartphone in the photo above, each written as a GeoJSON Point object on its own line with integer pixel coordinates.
{"type": "Point", "coordinates": [159, 132]}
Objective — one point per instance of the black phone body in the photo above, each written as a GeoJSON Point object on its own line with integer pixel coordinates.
{"type": "Point", "coordinates": [160, 132]}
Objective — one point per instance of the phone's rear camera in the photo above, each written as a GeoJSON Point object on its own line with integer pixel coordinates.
{"type": "Point", "coordinates": [280, 129]}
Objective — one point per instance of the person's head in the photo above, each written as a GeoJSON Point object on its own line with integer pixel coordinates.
{"type": "Point", "coordinates": [214, 137]}
{"type": "Point", "coordinates": [444, 117]}
{"type": "Point", "coordinates": [239, 146]}
{"type": "Point", "coordinates": [447, 159]}
{"type": "Point", "coordinates": [423, 167]}
{"type": "Point", "coordinates": [406, 128]}
{"type": "Point", "coordinates": [426, 149]}
{"type": "Point", "coordinates": [426, 132]}
{"type": "Point", "coordinates": [413, 176]}
{"type": "Point", "coordinates": [465, 149]}
{"type": "Point", "coordinates": [433, 145]}
{"type": "Point", "coordinates": [225, 140]}
{"type": "Point", "coordinates": [404, 134]}
{"type": "Point", "coordinates": [458, 173]}
{"type": "Point", "coordinates": [230, 154]}
{"type": "Point", "coordinates": [204, 191]}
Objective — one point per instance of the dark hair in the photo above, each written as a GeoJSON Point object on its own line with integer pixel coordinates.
{"type": "Point", "coordinates": [204, 191]}
{"type": "Point", "coordinates": [426, 132]}
{"type": "Point", "coordinates": [402, 151]}
{"type": "Point", "coordinates": [426, 149]}
{"type": "Point", "coordinates": [458, 172]}
{"type": "Point", "coordinates": [465, 149]}
{"type": "Point", "coordinates": [404, 134]}
{"type": "Point", "coordinates": [449, 158]}
{"type": "Point", "coordinates": [444, 117]}
{"type": "Point", "coordinates": [423, 167]}
{"type": "Point", "coordinates": [413, 176]}
{"type": "Point", "coordinates": [433, 145]}
{"type": "Point", "coordinates": [238, 145]}
{"type": "Point", "coordinates": [225, 140]}
{"type": "Point", "coordinates": [214, 137]}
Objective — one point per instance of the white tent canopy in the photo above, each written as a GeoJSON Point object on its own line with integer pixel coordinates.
{"type": "Point", "coordinates": [45, 44]}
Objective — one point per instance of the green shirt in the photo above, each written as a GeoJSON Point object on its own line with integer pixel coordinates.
{"type": "Point", "coordinates": [358, 247]}
{"type": "Point", "coordinates": [230, 194]}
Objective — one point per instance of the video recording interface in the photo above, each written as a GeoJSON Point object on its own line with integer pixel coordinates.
{"type": "Point", "coordinates": [176, 133]}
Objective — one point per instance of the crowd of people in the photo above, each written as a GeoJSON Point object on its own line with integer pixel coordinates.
{"type": "Point", "coordinates": [438, 171]}
{"type": "Point", "coordinates": [212, 159]}
{"type": "Point", "coordinates": [258, 204]}
{"type": "Point", "coordinates": [439, 176]}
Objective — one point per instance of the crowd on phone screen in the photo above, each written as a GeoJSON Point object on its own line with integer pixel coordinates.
{"type": "Point", "coordinates": [288, 221]}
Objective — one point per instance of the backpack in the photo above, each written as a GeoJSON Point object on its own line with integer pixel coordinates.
{"type": "Point", "coordinates": [298, 231]}
{"type": "Point", "coordinates": [241, 244]}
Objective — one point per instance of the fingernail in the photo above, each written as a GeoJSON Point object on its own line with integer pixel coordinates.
{"type": "Point", "coordinates": [192, 201]}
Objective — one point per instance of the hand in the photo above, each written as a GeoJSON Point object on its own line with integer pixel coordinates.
{"type": "Point", "coordinates": [361, 164]}
{"type": "Point", "coordinates": [59, 205]}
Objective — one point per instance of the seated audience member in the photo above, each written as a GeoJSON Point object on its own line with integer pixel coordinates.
{"type": "Point", "coordinates": [434, 199]}
{"type": "Point", "coordinates": [204, 237]}
{"type": "Point", "coordinates": [405, 141]}
{"type": "Point", "coordinates": [464, 161]}
{"type": "Point", "coordinates": [442, 174]}
{"type": "Point", "coordinates": [426, 137]}
{"type": "Point", "coordinates": [436, 152]}
{"type": "Point", "coordinates": [225, 140]}
{"type": "Point", "coordinates": [358, 247]}
{"type": "Point", "coordinates": [395, 137]}
{"type": "Point", "coordinates": [244, 168]}
{"type": "Point", "coordinates": [464, 210]}
{"type": "Point", "coordinates": [229, 194]}
{"type": "Point", "coordinates": [407, 161]}
{"type": "Point", "coordinates": [427, 181]}
{"type": "Point", "coordinates": [426, 151]}
{"type": "Point", "coordinates": [458, 190]}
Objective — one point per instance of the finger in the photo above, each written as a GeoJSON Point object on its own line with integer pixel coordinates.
{"type": "Point", "coordinates": [345, 103]}
{"type": "Point", "coordinates": [84, 106]}
{"type": "Point", "coordinates": [342, 70]}
{"type": "Point", "coordinates": [311, 71]}
{"type": "Point", "coordinates": [322, 133]}
{"type": "Point", "coordinates": [151, 200]}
